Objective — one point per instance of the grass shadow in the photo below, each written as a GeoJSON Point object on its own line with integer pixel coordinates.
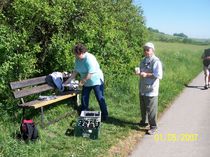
{"type": "Point", "coordinates": [197, 87]}
{"type": "Point", "coordinates": [110, 120]}
{"type": "Point", "coordinates": [69, 132]}
{"type": "Point", "coordinates": [122, 123]}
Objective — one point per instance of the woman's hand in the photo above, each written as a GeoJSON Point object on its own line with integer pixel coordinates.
{"type": "Point", "coordinates": [82, 82]}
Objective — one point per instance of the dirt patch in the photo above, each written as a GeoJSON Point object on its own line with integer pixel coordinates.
{"type": "Point", "coordinates": [124, 147]}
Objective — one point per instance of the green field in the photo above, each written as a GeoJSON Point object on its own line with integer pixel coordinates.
{"type": "Point", "coordinates": [181, 64]}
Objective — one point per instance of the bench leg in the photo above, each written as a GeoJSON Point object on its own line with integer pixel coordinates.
{"type": "Point", "coordinates": [77, 100]}
{"type": "Point", "coordinates": [42, 117]}
{"type": "Point", "coordinates": [23, 116]}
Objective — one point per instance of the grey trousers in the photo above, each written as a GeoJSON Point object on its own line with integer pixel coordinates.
{"type": "Point", "coordinates": [149, 108]}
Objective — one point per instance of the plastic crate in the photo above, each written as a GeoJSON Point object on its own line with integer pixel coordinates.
{"type": "Point", "coordinates": [88, 124]}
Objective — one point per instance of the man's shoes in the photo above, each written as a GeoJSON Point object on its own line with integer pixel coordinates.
{"type": "Point", "coordinates": [152, 131]}
{"type": "Point", "coordinates": [143, 125]}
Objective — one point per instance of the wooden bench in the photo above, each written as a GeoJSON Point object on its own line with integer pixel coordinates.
{"type": "Point", "coordinates": [35, 86]}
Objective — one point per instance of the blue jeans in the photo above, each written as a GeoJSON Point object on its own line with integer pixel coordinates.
{"type": "Point", "coordinates": [99, 93]}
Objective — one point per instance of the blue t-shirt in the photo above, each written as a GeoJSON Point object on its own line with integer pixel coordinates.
{"type": "Point", "coordinates": [89, 64]}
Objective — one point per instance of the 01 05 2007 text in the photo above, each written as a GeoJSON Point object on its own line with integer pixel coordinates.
{"type": "Point", "coordinates": [173, 137]}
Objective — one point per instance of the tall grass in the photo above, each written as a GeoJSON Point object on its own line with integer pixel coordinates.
{"type": "Point", "coordinates": [181, 64]}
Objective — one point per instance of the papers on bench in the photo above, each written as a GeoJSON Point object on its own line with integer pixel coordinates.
{"type": "Point", "coordinates": [47, 97]}
{"type": "Point", "coordinates": [73, 85]}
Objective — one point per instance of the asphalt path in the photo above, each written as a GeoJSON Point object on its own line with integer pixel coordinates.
{"type": "Point", "coordinates": [184, 129]}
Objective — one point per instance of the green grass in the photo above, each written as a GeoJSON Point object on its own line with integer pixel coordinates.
{"type": "Point", "coordinates": [181, 64]}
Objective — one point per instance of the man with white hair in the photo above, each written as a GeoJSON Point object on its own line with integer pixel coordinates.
{"type": "Point", "coordinates": [150, 73]}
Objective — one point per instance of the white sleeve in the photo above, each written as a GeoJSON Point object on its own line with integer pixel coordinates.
{"type": "Point", "coordinates": [158, 70]}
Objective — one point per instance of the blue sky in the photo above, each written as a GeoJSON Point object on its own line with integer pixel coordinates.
{"type": "Point", "coordinates": [191, 17]}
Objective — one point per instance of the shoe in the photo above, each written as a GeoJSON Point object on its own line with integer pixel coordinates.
{"type": "Point", "coordinates": [144, 125]}
{"type": "Point", "coordinates": [152, 131]}
{"type": "Point", "coordinates": [206, 87]}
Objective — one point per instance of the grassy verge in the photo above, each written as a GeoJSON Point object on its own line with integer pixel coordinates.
{"type": "Point", "coordinates": [181, 64]}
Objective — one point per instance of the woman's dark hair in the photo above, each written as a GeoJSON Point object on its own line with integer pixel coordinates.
{"type": "Point", "coordinates": [79, 49]}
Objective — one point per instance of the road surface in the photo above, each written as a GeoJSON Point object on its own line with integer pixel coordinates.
{"type": "Point", "coordinates": [184, 129]}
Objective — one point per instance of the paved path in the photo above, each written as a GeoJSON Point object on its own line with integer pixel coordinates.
{"type": "Point", "coordinates": [187, 119]}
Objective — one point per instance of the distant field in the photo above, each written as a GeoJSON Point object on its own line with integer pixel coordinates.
{"type": "Point", "coordinates": [158, 36]}
{"type": "Point", "coordinates": [181, 64]}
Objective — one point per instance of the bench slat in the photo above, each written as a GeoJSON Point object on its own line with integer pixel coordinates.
{"type": "Point", "coordinates": [40, 103]}
{"type": "Point", "coordinates": [59, 98]}
{"type": "Point", "coordinates": [28, 82]}
{"type": "Point", "coordinates": [32, 90]}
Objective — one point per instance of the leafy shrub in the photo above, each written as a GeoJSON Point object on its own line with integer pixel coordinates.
{"type": "Point", "coordinates": [37, 36]}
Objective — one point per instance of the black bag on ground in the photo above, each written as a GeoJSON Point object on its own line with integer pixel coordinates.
{"type": "Point", "coordinates": [28, 130]}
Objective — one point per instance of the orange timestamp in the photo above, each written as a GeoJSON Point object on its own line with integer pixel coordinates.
{"type": "Point", "coordinates": [173, 137]}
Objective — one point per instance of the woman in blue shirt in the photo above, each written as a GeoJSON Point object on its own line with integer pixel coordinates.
{"type": "Point", "coordinates": [92, 77]}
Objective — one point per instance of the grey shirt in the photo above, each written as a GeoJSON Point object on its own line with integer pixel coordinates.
{"type": "Point", "coordinates": [149, 86]}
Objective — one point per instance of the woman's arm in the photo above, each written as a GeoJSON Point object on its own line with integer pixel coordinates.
{"type": "Point", "coordinates": [73, 75]}
{"type": "Point", "coordinates": [87, 77]}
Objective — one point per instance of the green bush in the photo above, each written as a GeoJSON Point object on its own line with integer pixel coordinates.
{"type": "Point", "coordinates": [37, 36]}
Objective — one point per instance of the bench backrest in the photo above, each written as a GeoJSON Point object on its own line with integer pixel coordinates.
{"type": "Point", "coordinates": [30, 86]}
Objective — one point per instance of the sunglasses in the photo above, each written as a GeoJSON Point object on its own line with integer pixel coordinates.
{"type": "Point", "coordinates": [146, 49]}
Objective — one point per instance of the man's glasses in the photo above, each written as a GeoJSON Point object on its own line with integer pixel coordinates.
{"type": "Point", "coordinates": [146, 49]}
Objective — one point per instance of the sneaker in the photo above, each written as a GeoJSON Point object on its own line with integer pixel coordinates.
{"type": "Point", "coordinates": [206, 87]}
{"type": "Point", "coordinates": [152, 131]}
